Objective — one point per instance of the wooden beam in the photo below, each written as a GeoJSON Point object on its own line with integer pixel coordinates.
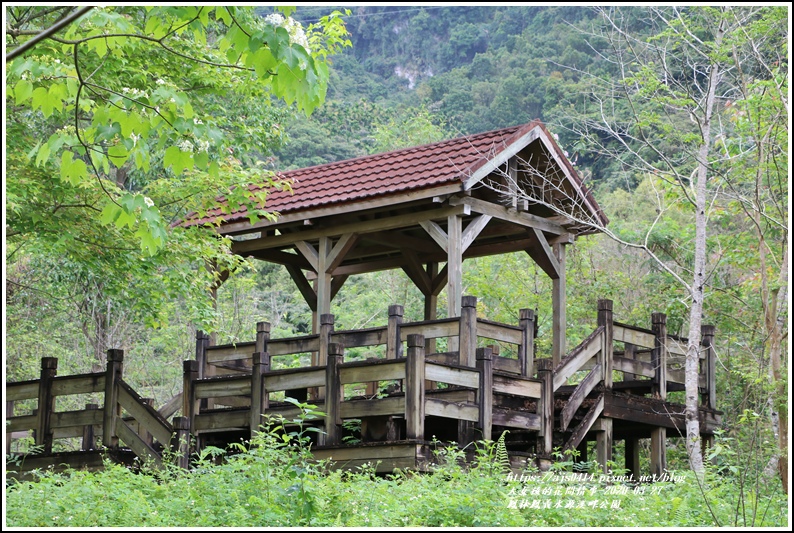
{"type": "Point", "coordinates": [455, 265]}
{"type": "Point", "coordinates": [540, 251]}
{"type": "Point", "coordinates": [494, 161]}
{"type": "Point", "coordinates": [336, 284]}
{"type": "Point", "coordinates": [303, 285]}
{"type": "Point", "coordinates": [413, 269]}
{"type": "Point", "coordinates": [337, 254]}
{"type": "Point", "coordinates": [559, 305]}
{"type": "Point", "coordinates": [404, 199]}
{"type": "Point", "coordinates": [362, 227]}
{"type": "Point", "coordinates": [509, 215]}
{"type": "Point", "coordinates": [438, 234]}
{"type": "Point", "coordinates": [309, 253]}
{"type": "Point", "coordinates": [473, 230]}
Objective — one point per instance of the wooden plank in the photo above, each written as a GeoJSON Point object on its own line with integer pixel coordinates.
{"type": "Point", "coordinates": [432, 329]}
{"type": "Point", "coordinates": [485, 391]}
{"type": "Point", "coordinates": [309, 343]}
{"type": "Point", "coordinates": [85, 417]}
{"type": "Point", "coordinates": [633, 336]}
{"type": "Point", "coordinates": [454, 410]}
{"type": "Point", "coordinates": [633, 366]}
{"type": "Point", "coordinates": [527, 388]}
{"type": "Point", "coordinates": [579, 394]}
{"type": "Point", "coordinates": [22, 423]}
{"type": "Point", "coordinates": [222, 420]}
{"type": "Point", "coordinates": [171, 406]}
{"type": "Point", "coordinates": [394, 405]}
{"type": "Point", "coordinates": [144, 414]}
{"type": "Point", "coordinates": [499, 332]}
{"type": "Point", "coordinates": [505, 364]}
{"type": "Point", "coordinates": [136, 444]}
{"type": "Point", "coordinates": [242, 350]}
{"type": "Point", "coordinates": [368, 453]}
{"type": "Point", "coordinates": [295, 379]}
{"type": "Point", "coordinates": [676, 347]}
{"type": "Point", "coordinates": [373, 372]}
{"type": "Point", "coordinates": [26, 390]}
{"type": "Point", "coordinates": [516, 419]}
{"type": "Point", "coordinates": [364, 337]}
{"type": "Point", "coordinates": [443, 358]}
{"type": "Point", "coordinates": [679, 376]}
{"type": "Point", "coordinates": [451, 375]}
{"type": "Point", "coordinates": [80, 384]}
{"type": "Point", "coordinates": [588, 421]}
{"type": "Point", "coordinates": [574, 361]}
{"type": "Point", "coordinates": [223, 386]}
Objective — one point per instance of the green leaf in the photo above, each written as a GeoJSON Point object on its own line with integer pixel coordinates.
{"type": "Point", "coordinates": [118, 154]}
{"type": "Point", "coordinates": [72, 170]}
{"type": "Point", "coordinates": [23, 90]}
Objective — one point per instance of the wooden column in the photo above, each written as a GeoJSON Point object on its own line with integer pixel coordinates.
{"type": "Point", "coordinates": [89, 437]}
{"type": "Point", "coordinates": [9, 414]}
{"type": "Point", "coordinates": [394, 345]}
{"type": "Point", "coordinates": [49, 368]}
{"type": "Point", "coordinates": [190, 405]}
{"type": "Point", "coordinates": [526, 350]}
{"type": "Point", "coordinates": [431, 306]}
{"type": "Point", "coordinates": [262, 336]}
{"type": "Point", "coordinates": [259, 398]}
{"type": "Point", "coordinates": [415, 388]}
{"type": "Point", "coordinates": [323, 277]}
{"type": "Point", "coordinates": [202, 343]}
{"type": "Point", "coordinates": [546, 406]}
{"type": "Point", "coordinates": [659, 354]}
{"type": "Point", "coordinates": [180, 441]}
{"type": "Point", "coordinates": [658, 451]}
{"type": "Point", "coordinates": [454, 271]}
{"type": "Point", "coordinates": [485, 391]}
{"type": "Point", "coordinates": [334, 395]}
{"type": "Point", "coordinates": [468, 331]}
{"type": "Point", "coordinates": [115, 362]}
{"type": "Point", "coordinates": [605, 319]}
{"type": "Point", "coordinates": [604, 443]}
{"type": "Point", "coordinates": [632, 454]}
{"type": "Point", "coordinates": [325, 330]}
{"type": "Point", "coordinates": [582, 449]}
{"type": "Point", "coordinates": [710, 370]}
{"type": "Point", "coordinates": [559, 304]}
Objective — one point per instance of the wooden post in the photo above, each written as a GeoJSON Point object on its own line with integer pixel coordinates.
{"type": "Point", "coordinates": [325, 331]}
{"type": "Point", "coordinates": [431, 307]}
{"type": "Point", "coordinates": [202, 343]}
{"type": "Point", "coordinates": [630, 352]}
{"type": "Point", "coordinates": [526, 350]}
{"type": "Point", "coordinates": [582, 449]}
{"type": "Point", "coordinates": [454, 272]}
{"type": "Point", "coordinates": [394, 345]}
{"type": "Point", "coordinates": [707, 333]}
{"type": "Point", "coordinates": [180, 441]}
{"type": "Point", "coordinates": [262, 336]}
{"type": "Point", "coordinates": [604, 443]}
{"type": "Point", "coordinates": [9, 414]}
{"type": "Point", "coordinates": [334, 395]}
{"type": "Point", "coordinates": [658, 451]}
{"type": "Point", "coordinates": [415, 388]}
{"type": "Point", "coordinates": [468, 331]}
{"type": "Point", "coordinates": [558, 304]}
{"type": "Point", "coordinates": [605, 319]}
{"type": "Point", "coordinates": [190, 405]}
{"type": "Point", "coordinates": [259, 399]}
{"type": "Point", "coordinates": [659, 354]}
{"type": "Point", "coordinates": [89, 439]}
{"type": "Point", "coordinates": [485, 391]}
{"type": "Point", "coordinates": [115, 364]}
{"type": "Point", "coordinates": [546, 406]}
{"type": "Point", "coordinates": [632, 454]}
{"type": "Point", "coordinates": [49, 368]}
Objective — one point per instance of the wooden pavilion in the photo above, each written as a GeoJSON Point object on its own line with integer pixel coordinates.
{"type": "Point", "coordinates": [415, 209]}
{"type": "Point", "coordinates": [420, 207]}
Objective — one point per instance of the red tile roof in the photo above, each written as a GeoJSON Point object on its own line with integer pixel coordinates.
{"type": "Point", "coordinates": [410, 169]}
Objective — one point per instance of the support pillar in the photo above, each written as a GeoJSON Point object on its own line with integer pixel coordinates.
{"type": "Point", "coordinates": [559, 304]}
{"type": "Point", "coordinates": [658, 451]}
{"type": "Point", "coordinates": [632, 454]}
{"type": "Point", "coordinates": [604, 444]}
{"type": "Point", "coordinates": [454, 270]}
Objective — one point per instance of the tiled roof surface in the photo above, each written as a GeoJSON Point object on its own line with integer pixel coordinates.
{"type": "Point", "coordinates": [420, 167]}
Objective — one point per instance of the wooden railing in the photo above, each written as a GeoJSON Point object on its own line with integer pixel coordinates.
{"type": "Point", "coordinates": [124, 415]}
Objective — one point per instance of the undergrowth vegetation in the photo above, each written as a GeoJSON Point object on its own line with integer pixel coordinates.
{"type": "Point", "coordinates": [273, 482]}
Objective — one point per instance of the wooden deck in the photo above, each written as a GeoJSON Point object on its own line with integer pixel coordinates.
{"type": "Point", "coordinates": [613, 386]}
